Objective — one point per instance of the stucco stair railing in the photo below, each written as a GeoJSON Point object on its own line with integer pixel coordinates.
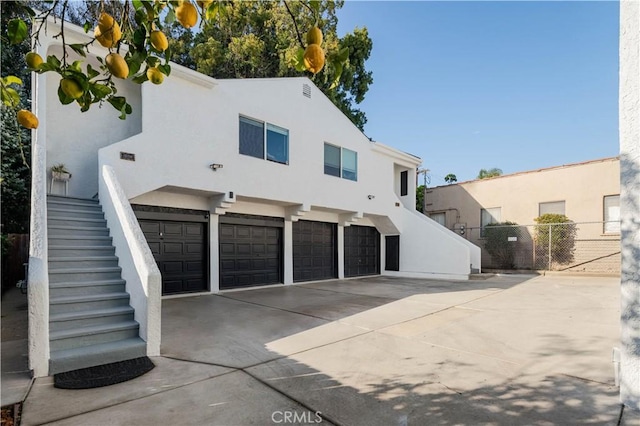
{"type": "Point", "coordinates": [90, 319]}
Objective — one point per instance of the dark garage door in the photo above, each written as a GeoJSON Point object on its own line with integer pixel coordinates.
{"type": "Point", "coordinates": [314, 251]}
{"type": "Point", "coordinates": [250, 251]}
{"type": "Point", "coordinates": [180, 250]}
{"type": "Point", "coordinates": [361, 251]}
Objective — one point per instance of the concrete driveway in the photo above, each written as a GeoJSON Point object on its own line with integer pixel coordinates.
{"type": "Point", "coordinates": [372, 351]}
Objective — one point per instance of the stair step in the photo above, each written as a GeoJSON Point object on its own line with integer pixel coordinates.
{"type": "Point", "coordinates": [71, 199]}
{"type": "Point", "coordinates": [79, 288]}
{"type": "Point", "coordinates": [63, 230]}
{"type": "Point", "coordinates": [90, 356]}
{"type": "Point", "coordinates": [83, 319]}
{"type": "Point", "coordinates": [54, 212]}
{"type": "Point", "coordinates": [76, 222]}
{"type": "Point", "coordinates": [84, 274]}
{"type": "Point", "coordinates": [86, 302]}
{"type": "Point", "coordinates": [92, 335]}
{"type": "Point", "coordinates": [58, 250]}
{"type": "Point", "coordinates": [57, 263]}
{"type": "Point", "coordinates": [73, 206]}
{"type": "Point", "coordinates": [79, 239]}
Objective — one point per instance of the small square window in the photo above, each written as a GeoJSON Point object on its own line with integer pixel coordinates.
{"type": "Point", "coordinates": [404, 183]}
{"type": "Point", "coordinates": [441, 218]}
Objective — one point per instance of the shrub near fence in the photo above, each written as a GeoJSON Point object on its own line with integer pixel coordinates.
{"type": "Point", "coordinates": [577, 247]}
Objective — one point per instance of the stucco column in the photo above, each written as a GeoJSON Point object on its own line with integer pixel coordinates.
{"type": "Point", "coordinates": [214, 253]}
{"type": "Point", "coordinates": [630, 202]}
{"type": "Point", "coordinates": [288, 251]}
{"type": "Point", "coordinates": [340, 243]}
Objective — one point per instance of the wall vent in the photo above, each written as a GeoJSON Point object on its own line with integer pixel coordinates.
{"type": "Point", "coordinates": [306, 90]}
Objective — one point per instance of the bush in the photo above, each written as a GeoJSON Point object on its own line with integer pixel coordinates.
{"type": "Point", "coordinates": [558, 230]}
{"type": "Point", "coordinates": [496, 242]}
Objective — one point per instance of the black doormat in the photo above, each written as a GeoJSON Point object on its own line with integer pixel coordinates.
{"type": "Point", "coordinates": [103, 375]}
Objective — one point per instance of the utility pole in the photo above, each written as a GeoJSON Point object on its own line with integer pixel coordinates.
{"type": "Point", "coordinates": [426, 179]}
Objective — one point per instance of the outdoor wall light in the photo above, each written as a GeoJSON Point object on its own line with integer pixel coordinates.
{"type": "Point", "coordinates": [371, 197]}
{"type": "Point", "coordinates": [215, 166]}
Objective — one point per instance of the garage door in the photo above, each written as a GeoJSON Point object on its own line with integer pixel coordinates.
{"type": "Point", "coordinates": [250, 251]}
{"type": "Point", "coordinates": [180, 250]}
{"type": "Point", "coordinates": [314, 251]}
{"type": "Point", "coordinates": [361, 251]}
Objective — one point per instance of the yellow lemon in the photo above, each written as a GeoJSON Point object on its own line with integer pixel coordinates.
{"type": "Point", "coordinates": [187, 14]}
{"type": "Point", "coordinates": [106, 21]}
{"type": "Point", "coordinates": [155, 75]}
{"type": "Point", "coordinates": [71, 88]}
{"type": "Point", "coordinates": [27, 119]}
{"type": "Point", "coordinates": [33, 60]}
{"type": "Point", "coordinates": [313, 58]}
{"type": "Point", "coordinates": [117, 65]}
{"type": "Point", "coordinates": [314, 36]}
{"type": "Point", "coordinates": [159, 40]}
{"type": "Point", "coordinates": [109, 36]}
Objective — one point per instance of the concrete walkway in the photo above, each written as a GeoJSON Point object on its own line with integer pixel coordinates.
{"type": "Point", "coordinates": [510, 350]}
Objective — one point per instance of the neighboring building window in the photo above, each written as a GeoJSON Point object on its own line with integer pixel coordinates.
{"type": "Point", "coordinates": [331, 160]}
{"type": "Point", "coordinates": [439, 217]}
{"type": "Point", "coordinates": [253, 134]}
{"type": "Point", "coordinates": [340, 162]}
{"type": "Point", "coordinates": [277, 144]}
{"type": "Point", "coordinates": [404, 183]}
{"type": "Point", "coordinates": [554, 207]}
{"type": "Point", "coordinates": [612, 214]}
{"type": "Point", "coordinates": [488, 216]}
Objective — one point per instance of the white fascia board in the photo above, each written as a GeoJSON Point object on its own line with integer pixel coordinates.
{"type": "Point", "coordinates": [398, 156]}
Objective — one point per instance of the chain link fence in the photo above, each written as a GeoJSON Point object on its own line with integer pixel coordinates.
{"type": "Point", "coordinates": [576, 247]}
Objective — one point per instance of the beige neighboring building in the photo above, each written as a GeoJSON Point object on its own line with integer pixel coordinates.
{"type": "Point", "coordinates": [588, 193]}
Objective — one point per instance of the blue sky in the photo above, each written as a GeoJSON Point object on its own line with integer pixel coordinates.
{"type": "Point", "coordinates": [472, 85]}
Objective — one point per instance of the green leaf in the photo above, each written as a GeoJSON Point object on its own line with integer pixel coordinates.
{"type": "Point", "coordinates": [170, 17]}
{"type": "Point", "coordinates": [140, 78]}
{"type": "Point", "coordinates": [53, 61]}
{"type": "Point", "coordinates": [91, 73]}
{"type": "Point", "coordinates": [315, 5]}
{"type": "Point", "coordinates": [165, 69]}
{"type": "Point", "coordinates": [17, 31]}
{"type": "Point", "coordinates": [212, 11]}
{"type": "Point", "coordinates": [139, 37]}
{"type": "Point", "coordinates": [118, 102]}
{"type": "Point", "coordinates": [336, 79]}
{"type": "Point", "coordinates": [298, 62]}
{"type": "Point", "coordinates": [343, 54]}
{"type": "Point", "coordinates": [12, 79]}
{"type": "Point", "coordinates": [45, 66]}
{"type": "Point", "coordinates": [100, 91]}
{"type": "Point", "coordinates": [78, 48]}
{"type": "Point", "coordinates": [76, 66]}
{"type": "Point", "coordinates": [10, 97]}
{"type": "Point", "coordinates": [64, 99]}
{"type": "Point", "coordinates": [87, 27]}
{"type": "Point", "coordinates": [153, 61]}
{"type": "Point", "coordinates": [137, 4]}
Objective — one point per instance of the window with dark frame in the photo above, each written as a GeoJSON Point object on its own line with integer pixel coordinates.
{"type": "Point", "coordinates": [254, 133]}
{"type": "Point", "coordinates": [404, 183]}
{"type": "Point", "coordinates": [340, 162]}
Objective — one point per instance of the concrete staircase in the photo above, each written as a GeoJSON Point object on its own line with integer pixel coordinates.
{"type": "Point", "coordinates": [90, 320]}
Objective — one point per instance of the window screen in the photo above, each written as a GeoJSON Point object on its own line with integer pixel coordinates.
{"type": "Point", "coordinates": [612, 214]}
{"type": "Point", "coordinates": [251, 137]}
{"type": "Point", "coordinates": [349, 164]}
{"type": "Point", "coordinates": [331, 160]}
{"type": "Point", "coordinates": [277, 144]}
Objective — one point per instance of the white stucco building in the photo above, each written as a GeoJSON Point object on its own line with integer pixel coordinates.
{"type": "Point", "coordinates": [222, 184]}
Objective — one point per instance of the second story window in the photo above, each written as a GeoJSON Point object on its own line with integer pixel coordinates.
{"type": "Point", "coordinates": [340, 162]}
{"type": "Point", "coordinates": [253, 135]}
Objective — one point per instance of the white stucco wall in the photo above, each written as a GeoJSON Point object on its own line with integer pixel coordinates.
{"type": "Point", "coordinates": [630, 201]}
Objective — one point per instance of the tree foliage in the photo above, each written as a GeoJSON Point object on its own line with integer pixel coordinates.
{"type": "Point", "coordinates": [555, 236]}
{"type": "Point", "coordinates": [484, 173]}
{"type": "Point", "coordinates": [420, 198]}
{"type": "Point", "coordinates": [236, 39]}
{"type": "Point", "coordinates": [496, 242]}
{"type": "Point", "coordinates": [450, 178]}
